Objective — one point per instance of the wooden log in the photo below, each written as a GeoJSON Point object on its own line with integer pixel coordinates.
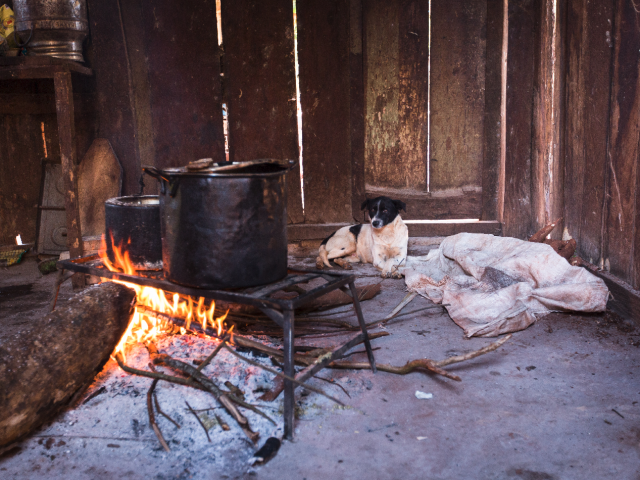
{"type": "Point", "coordinates": [43, 367]}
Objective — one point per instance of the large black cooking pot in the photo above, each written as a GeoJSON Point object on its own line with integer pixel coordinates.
{"type": "Point", "coordinates": [224, 228]}
{"type": "Point", "coordinates": [134, 224]}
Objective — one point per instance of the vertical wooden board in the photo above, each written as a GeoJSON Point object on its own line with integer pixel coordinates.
{"type": "Point", "coordinates": [547, 179]}
{"type": "Point", "coordinates": [134, 34]}
{"type": "Point", "coordinates": [323, 56]}
{"type": "Point", "coordinates": [588, 80]}
{"type": "Point", "coordinates": [409, 170]}
{"type": "Point", "coordinates": [116, 117]}
{"type": "Point", "coordinates": [491, 163]}
{"type": "Point", "coordinates": [22, 150]}
{"type": "Point", "coordinates": [381, 31]}
{"type": "Point", "coordinates": [458, 31]}
{"type": "Point", "coordinates": [623, 144]}
{"type": "Point", "coordinates": [259, 65]}
{"type": "Point", "coordinates": [577, 58]}
{"type": "Point", "coordinates": [519, 114]}
{"type": "Point", "coordinates": [184, 81]}
{"type": "Point", "coordinates": [396, 93]}
{"type": "Point", "coordinates": [356, 107]}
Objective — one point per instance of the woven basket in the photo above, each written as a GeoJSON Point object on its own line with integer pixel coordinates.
{"type": "Point", "coordinates": [12, 254]}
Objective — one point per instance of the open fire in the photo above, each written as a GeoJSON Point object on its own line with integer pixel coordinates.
{"type": "Point", "coordinates": [145, 326]}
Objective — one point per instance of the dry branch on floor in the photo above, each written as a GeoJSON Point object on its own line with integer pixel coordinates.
{"type": "Point", "coordinates": [46, 365]}
{"type": "Point", "coordinates": [421, 364]}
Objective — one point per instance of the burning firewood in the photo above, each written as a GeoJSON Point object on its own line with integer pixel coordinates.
{"type": "Point", "coordinates": [45, 366]}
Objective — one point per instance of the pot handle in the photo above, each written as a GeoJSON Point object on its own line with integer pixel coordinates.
{"type": "Point", "coordinates": [291, 164]}
{"type": "Point", "coordinates": [154, 172]}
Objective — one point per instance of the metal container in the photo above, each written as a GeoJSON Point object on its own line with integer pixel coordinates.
{"type": "Point", "coordinates": [224, 229]}
{"type": "Point", "coordinates": [134, 224]}
{"type": "Point", "coordinates": [55, 28]}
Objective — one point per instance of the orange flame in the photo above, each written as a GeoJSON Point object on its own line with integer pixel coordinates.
{"type": "Point", "coordinates": [144, 326]}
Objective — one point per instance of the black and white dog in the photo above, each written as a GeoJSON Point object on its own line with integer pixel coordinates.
{"type": "Point", "coordinates": [383, 242]}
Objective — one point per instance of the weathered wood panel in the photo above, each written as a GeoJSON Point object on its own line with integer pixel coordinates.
{"type": "Point", "coordinates": [184, 87]}
{"type": "Point", "coordinates": [458, 38]}
{"type": "Point", "coordinates": [381, 66]}
{"type": "Point", "coordinates": [519, 114]}
{"type": "Point", "coordinates": [547, 165]}
{"type": "Point", "coordinates": [396, 93]}
{"type": "Point", "coordinates": [134, 34]}
{"type": "Point", "coordinates": [588, 79]}
{"type": "Point", "coordinates": [621, 204]}
{"type": "Point", "coordinates": [116, 116]}
{"type": "Point", "coordinates": [323, 56]}
{"type": "Point", "coordinates": [410, 167]}
{"type": "Point", "coordinates": [492, 168]}
{"type": "Point", "coordinates": [260, 86]}
{"type": "Point", "coordinates": [356, 106]}
{"type": "Point", "coordinates": [22, 150]}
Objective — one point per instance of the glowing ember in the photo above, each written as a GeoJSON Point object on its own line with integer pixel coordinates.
{"type": "Point", "coordinates": [144, 326]}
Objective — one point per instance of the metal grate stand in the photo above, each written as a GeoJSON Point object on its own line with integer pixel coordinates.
{"type": "Point", "coordinates": [279, 310]}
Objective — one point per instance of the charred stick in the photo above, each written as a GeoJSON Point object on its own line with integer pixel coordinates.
{"type": "Point", "coordinates": [152, 417]}
{"type": "Point", "coordinates": [159, 376]}
{"type": "Point", "coordinates": [157, 404]}
{"type": "Point", "coordinates": [165, 415]}
{"type": "Point", "coordinates": [333, 382]}
{"type": "Point", "coordinates": [199, 421]}
{"type": "Point", "coordinates": [210, 357]}
{"type": "Point", "coordinates": [279, 374]}
{"type": "Point", "coordinates": [225, 399]}
{"type": "Point", "coordinates": [222, 423]}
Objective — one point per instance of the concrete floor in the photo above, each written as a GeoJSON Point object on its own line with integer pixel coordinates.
{"type": "Point", "coordinates": [560, 400]}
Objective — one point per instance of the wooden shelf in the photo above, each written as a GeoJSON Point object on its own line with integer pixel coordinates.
{"type": "Point", "coordinates": [18, 68]}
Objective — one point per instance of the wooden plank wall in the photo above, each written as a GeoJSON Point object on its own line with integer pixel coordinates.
{"type": "Point", "coordinates": [184, 88]}
{"type": "Point", "coordinates": [622, 249]}
{"type": "Point", "coordinates": [324, 47]}
{"type": "Point", "coordinates": [396, 98]}
{"type": "Point", "coordinates": [588, 80]}
{"type": "Point", "coordinates": [547, 160]}
{"type": "Point", "coordinates": [26, 108]}
{"type": "Point", "coordinates": [521, 67]}
{"type": "Point", "coordinates": [157, 70]}
{"type": "Point", "coordinates": [259, 65]}
{"type": "Point", "coordinates": [603, 134]}
{"type": "Point", "coordinates": [457, 94]}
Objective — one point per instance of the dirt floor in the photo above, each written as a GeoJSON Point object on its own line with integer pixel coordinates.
{"type": "Point", "coordinates": [560, 400]}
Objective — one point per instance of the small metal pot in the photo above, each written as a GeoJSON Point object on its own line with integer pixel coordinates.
{"type": "Point", "coordinates": [134, 223]}
{"type": "Point", "coordinates": [224, 227]}
{"type": "Point", "coordinates": [55, 28]}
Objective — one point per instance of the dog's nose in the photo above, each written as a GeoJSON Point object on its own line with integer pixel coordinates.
{"type": "Point", "coordinates": [376, 223]}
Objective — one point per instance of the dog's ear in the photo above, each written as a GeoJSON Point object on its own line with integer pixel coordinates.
{"type": "Point", "coordinates": [400, 205]}
{"type": "Point", "coordinates": [365, 204]}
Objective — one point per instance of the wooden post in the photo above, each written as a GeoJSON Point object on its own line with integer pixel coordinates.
{"type": "Point", "coordinates": [66, 135]}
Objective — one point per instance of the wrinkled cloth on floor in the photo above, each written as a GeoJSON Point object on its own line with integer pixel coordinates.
{"type": "Point", "coordinates": [494, 285]}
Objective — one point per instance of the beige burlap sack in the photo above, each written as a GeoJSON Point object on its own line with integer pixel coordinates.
{"type": "Point", "coordinates": [495, 285]}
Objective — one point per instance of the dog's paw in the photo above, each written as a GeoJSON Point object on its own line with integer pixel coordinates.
{"type": "Point", "coordinates": [319, 264]}
{"type": "Point", "coordinates": [385, 274]}
{"type": "Point", "coordinates": [396, 275]}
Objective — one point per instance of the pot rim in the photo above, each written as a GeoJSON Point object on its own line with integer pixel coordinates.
{"type": "Point", "coordinates": [283, 166]}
